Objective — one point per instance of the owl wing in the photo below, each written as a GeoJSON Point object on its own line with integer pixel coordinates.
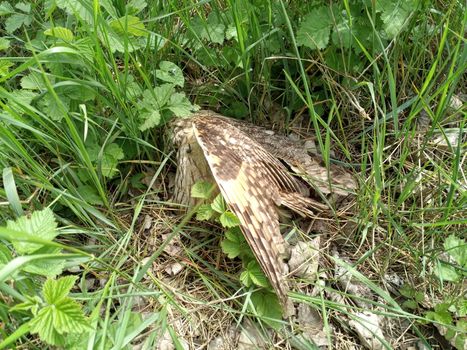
{"type": "Point", "coordinates": [250, 180]}
{"type": "Point", "coordinates": [334, 179]}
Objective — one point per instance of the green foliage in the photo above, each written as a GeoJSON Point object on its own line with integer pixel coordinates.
{"type": "Point", "coordinates": [414, 297]}
{"type": "Point", "coordinates": [254, 275]}
{"type": "Point", "coordinates": [87, 87]}
{"type": "Point", "coordinates": [202, 190]}
{"type": "Point", "coordinates": [263, 301]}
{"type": "Point", "coordinates": [454, 270]}
{"type": "Point", "coordinates": [39, 225]}
{"type": "Point", "coordinates": [61, 33]}
{"type": "Point", "coordinates": [18, 16]}
{"type": "Point", "coordinates": [267, 307]}
{"type": "Point", "coordinates": [453, 316]}
{"type": "Point", "coordinates": [56, 315]}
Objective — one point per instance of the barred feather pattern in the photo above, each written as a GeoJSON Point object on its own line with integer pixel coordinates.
{"type": "Point", "coordinates": [245, 162]}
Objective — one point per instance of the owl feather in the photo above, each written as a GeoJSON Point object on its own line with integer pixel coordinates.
{"type": "Point", "coordinates": [245, 162]}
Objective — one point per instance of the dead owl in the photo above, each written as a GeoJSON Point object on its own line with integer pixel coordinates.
{"type": "Point", "coordinates": [248, 164]}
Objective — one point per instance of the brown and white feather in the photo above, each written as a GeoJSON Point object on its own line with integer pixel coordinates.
{"type": "Point", "coordinates": [246, 163]}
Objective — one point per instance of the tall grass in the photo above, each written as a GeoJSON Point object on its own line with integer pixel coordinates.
{"type": "Point", "coordinates": [412, 190]}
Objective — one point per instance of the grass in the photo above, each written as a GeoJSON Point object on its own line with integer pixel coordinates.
{"type": "Point", "coordinates": [384, 108]}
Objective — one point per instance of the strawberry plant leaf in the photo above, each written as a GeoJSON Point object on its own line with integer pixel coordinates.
{"type": "Point", "coordinates": [204, 212]}
{"type": "Point", "coordinates": [151, 119]}
{"type": "Point", "coordinates": [229, 219]}
{"type": "Point", "coordinates": [202, 189]}
{"type": "Point", "coordinates": [257, 275]}
{"type": "Point", "coordinates": [218, 204]}
{"type": "Point", "coordinates": [61, 33]}
{"type": "Point", "coordinates": [267, 307]}
{"type": "Point", "coordinates": [16, 21]}
{"type": "Point", "coordinates": [6, 8]}
{"type": "Point", "coordinates": [40, 224]}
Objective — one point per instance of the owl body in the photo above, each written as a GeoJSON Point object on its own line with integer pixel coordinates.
{"type": "Point", "coordinates": [247, 164]}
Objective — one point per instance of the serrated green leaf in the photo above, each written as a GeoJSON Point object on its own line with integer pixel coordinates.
{"type": "Point", "coordinates": [170, 73]}
{"type": "Point", "coordinates": [16, 21]}
{"type": "Point", "coordinates": [61, 315]}
{"type": "Point", "coordinates": [456, 248]}
{"type": "Point", "coordinates": [229, 219]}
{"type": "Point", "coordinates": [118, 42]}
{"type": "Point", "coordinates": [33, 81]}
{"type": "Point", "coordinates": [231, 248]}
{"type": "Point", "coordinates": [157, 98]}
{"type": "Point", "coordinates": [89, 194]}
{"type": "Point", "coordinates": [109, 167]}
{"type": "Point", "coordinates": [129, 24]}
{"type": "Point", "coordinates": [40, 224]}
{"type": "Point", "coordinates": [32, 303]}
{"type": "Point", "coordinates": [245, 279]}
{"type": "Point", "coordinates": [71, 318]}
{"type": "Point", "coordinates": [407, 291]}
{"type": "Point", "coordinates": [61, 33]}
{"type": "Point", "coordinates": [211, 29]}
{"type": "Point", "coordinates": [22, 97]}
{"type": "Point", "coordinates": [257, 275]}
{"type": "Point", "coordinates": [53, 108]}
{"type": "Point", "coordinates": [22, 6]}
{"type": "Point", "coordinates": [54, 320]}
{"type": "Point", "coordinates": [267, 307]}
{"type": "Point", "coordinates": [6, 8]}
{"type": "Point", "coordinates": [78, 92]}
{"type": "Point", "coordinates": [202, 189]}
{"type": "Point", "coordinates": [56, 290]}
{"type": "Point", "coordinates": [218, 204]}
{"type": "Point", "coordinates": [235, 245]}
{"type": "Point", "coordinates": [5, 67]}
{"type": "Point", "coordinates": [43, 325]}
{"type": "Point", "coordinates": [181, 106]}
{"type": "Point", "coordinates": [440, 316]}
{"type": "Point", "coordinates": [204, 212]}
{"type": "Point", "coordinates": [231, 32]}
{"type": "Point", "coordinates": [45, 267]}
{"type": "Point", "coordinates": [115, 151]}
{"type": "Point", "coordinates": [4, 44]}
{"type": "Point", "coordinates": [394, 14]}
{"type": "Point", "coordinates": [109, 160]}
{"type": "Point", "coordinates": [76, 9]}
{"type": "Point", "coordinates": [315, 29]}
{"type": "Point", "coordinates": [151, 119]}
